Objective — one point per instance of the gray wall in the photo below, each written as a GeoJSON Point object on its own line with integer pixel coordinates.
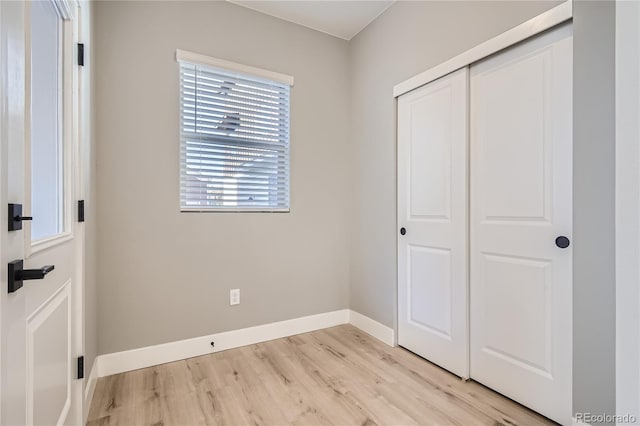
{"type": "Point", "coordinates": [166, 275]}
{"type": "Point", "coordinates": [408, 38]}
{"type": "Point", "coordinates": [593, 212]}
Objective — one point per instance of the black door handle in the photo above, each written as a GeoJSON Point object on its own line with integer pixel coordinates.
{"type": "Point", "coordinates": [34, 274]}
{"type": "Point", "coordinates": [17, 274]}
{"type": "Point", "coordinates": [562, 242]}
{"type": "Point", "coordinates": [403, 231]}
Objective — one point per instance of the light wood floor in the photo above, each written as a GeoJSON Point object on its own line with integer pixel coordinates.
{"type": "Point", "coordinates": [337, 376]}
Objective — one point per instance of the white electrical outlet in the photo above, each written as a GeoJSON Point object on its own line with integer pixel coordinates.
{"type": "Point", "coordinates": [234, 296]}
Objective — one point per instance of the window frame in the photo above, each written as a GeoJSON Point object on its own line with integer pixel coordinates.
{"type": "Point", "coordinates": [259, 73]}
{"type": "Point", "coordinates": [68, 140]}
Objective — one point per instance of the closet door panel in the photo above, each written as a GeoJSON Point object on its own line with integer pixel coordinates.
{"type": "Point", "coordinates": [499, 120]}
{"type": "Point", "coordinates": [521, 200]}
{"type": "Point", "coordinates": [432, 208]}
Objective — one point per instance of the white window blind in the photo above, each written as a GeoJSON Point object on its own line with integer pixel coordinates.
{"type": "Point", "coordinates": [234, 140]}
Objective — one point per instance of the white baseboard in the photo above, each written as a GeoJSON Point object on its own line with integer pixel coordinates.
{"type": "Point", "coordinates": [90, 389]}
{"type": "Point", "coordinates": [119, 362]}
{"type": "Point", "coordinates": [372, 327]}
{"type": "Point", "coordinates": [134, 359]}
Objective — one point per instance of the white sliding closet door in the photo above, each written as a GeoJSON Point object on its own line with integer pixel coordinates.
{"type": "Point", "coordinates": [432, 215]}
{"type": "Point", "coordinates": [521, 202]}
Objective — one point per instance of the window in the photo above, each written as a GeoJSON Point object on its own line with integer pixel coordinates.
{"type": "Point", "coordinates": [234, 136]}
{"type": "Point", "coordinates": [47, 154]}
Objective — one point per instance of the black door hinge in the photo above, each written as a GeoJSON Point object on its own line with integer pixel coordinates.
{"type": "Point", "coordinates": [81, 211]}
{"type": "Point", "coordinates": [81, 367]}
{"type": "Point", "coordinates": [81, 54]}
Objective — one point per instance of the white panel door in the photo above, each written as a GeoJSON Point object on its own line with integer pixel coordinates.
{"type": "Point", "coordinates": [521, 201]}
{"type": "Point", "coordinates": [41, 321]}
{"type": "Point", "coordinates": [432, 215]}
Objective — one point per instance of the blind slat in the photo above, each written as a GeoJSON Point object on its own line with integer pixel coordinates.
{"type": "Point", "coordinates": [248, 187]}
{"type": "Point", "coordinates": [236, 131]}
{"type": "Point", "coordinates": [208, 107]}
{"type": "Point", "coordinates": [211, 198]}
{"type": "Point", "coordinates": [197, 181]}
{"type": "Point", "coordinates": [216, 98]}
{"type": "Point", "coordinates": [215, 150]}
{"type": "Point", "coordinates": [238, 93]}
{"type": "Point", "coordinates": [194, 137]}
{"type": "Point", "coordinates": [235, 170]}
{"type": "Point", "coordinates": [203, 173]}
{"type": "Point", "coordinates": [190, 117]}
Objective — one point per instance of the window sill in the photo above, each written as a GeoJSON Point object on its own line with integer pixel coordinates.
{"type": "Point", "coordinates": [232, 210]}
{"type": "Point", "coordinates": [49, 242]}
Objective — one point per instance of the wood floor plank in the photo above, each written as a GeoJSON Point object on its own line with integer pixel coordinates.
{"type": "Point", "coordinates": [437, 395]}
{"type": "Point", "coordinates": [337, 376]}
{"type": "Point", "coordinates": [398, 390]}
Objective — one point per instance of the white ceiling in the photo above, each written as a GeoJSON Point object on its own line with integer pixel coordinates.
{"type": "Point", "coordinates": [342, 19]}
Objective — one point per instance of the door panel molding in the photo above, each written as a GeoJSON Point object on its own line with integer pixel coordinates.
{"type": "Point", "coordinates": [49, 311]}
{"type": "Point", "coordinates": [436, 261]}
{"type": "Point", "coordinates": [514, 300]}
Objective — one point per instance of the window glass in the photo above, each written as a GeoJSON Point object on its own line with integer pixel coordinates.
{"type": "Point", "coordinates": [46, 129]}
